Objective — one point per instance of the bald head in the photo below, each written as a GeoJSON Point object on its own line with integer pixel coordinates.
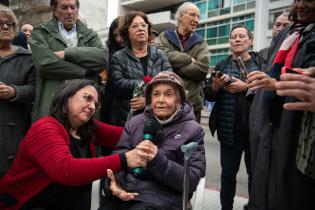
{"type": "Point", "coordinates": [281, 22]}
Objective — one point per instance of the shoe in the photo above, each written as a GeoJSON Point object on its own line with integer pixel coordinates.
{"type": "Point", "coordinates": [245, 206]}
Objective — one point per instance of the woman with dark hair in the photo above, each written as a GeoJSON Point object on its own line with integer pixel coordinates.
{"type": "Point", "coordinates": [114, 43]}
{"type": "Point", "coordinates": [132, 64]}
{"type": "Point", "coordinates": [17, 90]}
{"type": "Point", "coordinates": [56, 163]}
{"type": "Point", "coordinates": [284, 173]}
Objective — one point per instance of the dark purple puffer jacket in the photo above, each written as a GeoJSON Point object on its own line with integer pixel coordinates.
{"type": "Point", "coordinates": [162, 185]}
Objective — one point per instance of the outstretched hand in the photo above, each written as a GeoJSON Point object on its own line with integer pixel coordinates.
{"type": "Point", "coordinates": [117, 190]}
{"type": "Point", "coordinates": [260, 80]}
{"type": "Point", "coordinates": [301, 86]}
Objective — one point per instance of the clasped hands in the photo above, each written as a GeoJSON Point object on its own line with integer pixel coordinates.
{"type": "Point", "coordinates": [138, 157]}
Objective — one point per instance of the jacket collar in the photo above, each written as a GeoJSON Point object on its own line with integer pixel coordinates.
{"type": "Point", "coordinates": [172, 36]}
{"type": "Point", "coordinates": [128, 51]}
{"type": "Point", "coordinates": [52, 28]}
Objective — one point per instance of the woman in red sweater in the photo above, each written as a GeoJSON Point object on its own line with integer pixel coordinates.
{"type": "Point", "coordinates": [56, 164]}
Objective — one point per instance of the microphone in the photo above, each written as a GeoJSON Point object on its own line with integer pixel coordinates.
{"type": "Point", "coordinates": [150, 130]}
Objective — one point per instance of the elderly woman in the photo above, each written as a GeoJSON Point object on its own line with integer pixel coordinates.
{"type": "Point", "coordinates": [160, 185]}
{"type": "Point", "coordinates": [283, 176]}
{"type": "Point", "coordinates": [17, 90]}
{"type": "Point", "coordinates": [130, 65]}
{"type": "Point", "coordinates": [56, 162]}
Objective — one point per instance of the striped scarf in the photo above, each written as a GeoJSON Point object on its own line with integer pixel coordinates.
{"type": "Point", "coordinates": [284, 57]}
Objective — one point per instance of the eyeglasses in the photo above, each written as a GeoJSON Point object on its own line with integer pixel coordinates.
{"type": "Point", "coordinates": [139, 26]}
{"type": "Point", "coordinates": [89, 99]}
{"type": "Point", "coordinates": [8, 24]}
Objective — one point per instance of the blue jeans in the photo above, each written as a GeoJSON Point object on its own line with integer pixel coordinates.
{"type": "Point", "coordinates": [230, 163]}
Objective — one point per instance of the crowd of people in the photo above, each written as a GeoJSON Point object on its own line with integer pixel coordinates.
{"type": "Point", "coordinates": [73, 111]}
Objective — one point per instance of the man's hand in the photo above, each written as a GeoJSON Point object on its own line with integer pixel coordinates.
{"type": "Point", "coordinates": [117, 189]}
{"type": "Point", "coordinates": [258, 79]}
{"type": "Point", "coordinates": [60, 54]}
{"type": "Point", "coordinates": [301, 86]}
{"type": "Point", "coordinates": [236, 86]}
{"type": "Point", "coordinates": [220, 81]}
{"type": "Point", "coordinates": [6, 91]}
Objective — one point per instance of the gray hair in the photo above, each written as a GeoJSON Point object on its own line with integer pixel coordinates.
{"type": "Point", "coordinates": [9, 13]}
{"type": "Point", "coordinates": [285, 13]}
{"type": "Point", "coordinates": [182, 9]}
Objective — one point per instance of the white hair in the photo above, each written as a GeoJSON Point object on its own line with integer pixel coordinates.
{"type": "Point", "coordinates": [182, 8]}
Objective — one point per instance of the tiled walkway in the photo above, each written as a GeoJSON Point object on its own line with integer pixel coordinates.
{"type": "Point", "coordinates": [211, 201]}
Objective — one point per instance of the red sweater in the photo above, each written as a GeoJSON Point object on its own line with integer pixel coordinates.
{"type": "Point", "coordinates": [44, 157]}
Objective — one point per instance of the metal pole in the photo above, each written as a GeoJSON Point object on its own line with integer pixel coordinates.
{"type": "Point", "coordinates": [186, 183]}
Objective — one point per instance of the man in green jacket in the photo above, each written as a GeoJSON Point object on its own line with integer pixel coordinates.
{"type": "Point", "coordinates": [188, 54]}
{"type": "Point", "coordinates": [63, 49]}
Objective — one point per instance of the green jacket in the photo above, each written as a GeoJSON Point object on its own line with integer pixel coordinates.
{"type": "Point", "coordinates": [193, 74]}
{"type": "Point", "coordinates": [84, 61]}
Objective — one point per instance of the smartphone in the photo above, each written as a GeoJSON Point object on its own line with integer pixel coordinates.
{"type": "Point", "coordinates": [286, 69]}
{"type": "Point", "coordinates": [213, 73]}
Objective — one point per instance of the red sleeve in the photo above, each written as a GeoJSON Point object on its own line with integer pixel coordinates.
{"type": "Point", "coordinates": [107, 135]}
{"type": "Point", "coordinates": [48, 146]}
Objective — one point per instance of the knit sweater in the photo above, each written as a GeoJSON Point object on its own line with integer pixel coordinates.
{"type": "Point", "coordinates": [45, 157]}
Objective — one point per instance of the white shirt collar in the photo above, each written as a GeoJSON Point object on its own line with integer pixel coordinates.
{"type": "Point", "coordinates": [67, 34]}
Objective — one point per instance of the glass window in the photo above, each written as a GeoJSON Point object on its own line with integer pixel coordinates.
{"type": "Point", "coordinates": [212, 41]}
{"type": "Point", "coordinates": [250, 24]}
{"type": "Point", "coordinates": [213, 4]}
{"type": "Point", "coordinates": [213, 60]}
{"type": "Point", "coordinates": [203, 9]}
{"type": "Point", "coordinates": [239, 1]}
{"type": "Point", "coordinates": [224, 30]}
{"type": "Point", "coordinates": [201, 32]}
{"type": "Point", "coordinates": [223, 40]}
{"type": "Point", "coordinates": [225, 11]}
{"type": "Point", "coordinates": [212, 32]}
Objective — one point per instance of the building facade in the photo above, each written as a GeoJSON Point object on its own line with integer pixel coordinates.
{"type": "Point", "coordinates": [217, 17]}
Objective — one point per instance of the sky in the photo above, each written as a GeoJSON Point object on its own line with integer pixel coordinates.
{"type": "Point", "coordinates": [112, 11]}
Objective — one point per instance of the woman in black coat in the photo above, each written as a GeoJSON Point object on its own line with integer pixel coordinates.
{"type": "Point", "coordinates": [130, 66]}
{"type": "Point", "coordinates": [17, 90]}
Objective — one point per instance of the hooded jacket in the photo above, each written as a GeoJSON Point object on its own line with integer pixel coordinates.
{"type": "Point", "coordinates": [18, 71]}
{"type": "Point", "coordinates": [163, 184]}
{"type": "Point", "coordinates": [193, 74]}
